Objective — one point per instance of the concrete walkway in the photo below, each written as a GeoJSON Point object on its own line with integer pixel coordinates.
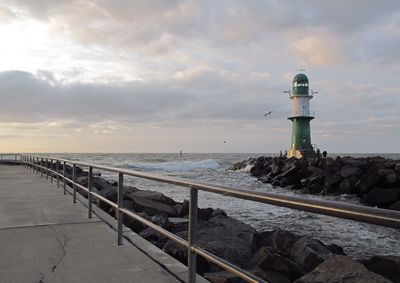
{"type": "Point", "coordinates": [44, 237]}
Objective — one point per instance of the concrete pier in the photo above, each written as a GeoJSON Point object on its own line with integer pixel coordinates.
{"type": "Point", "coordinates": [44, 237]}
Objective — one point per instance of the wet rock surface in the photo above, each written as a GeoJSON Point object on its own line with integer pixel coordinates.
{"type": "Point", "coordinates": [341, 269]}
{"type": "Point", "coordinates": [375, 180]}
{"type": "Point", "coordinates": [275, 256]}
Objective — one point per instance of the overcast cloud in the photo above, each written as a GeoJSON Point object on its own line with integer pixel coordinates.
{"type": "Point", "coordinates": [166, 75]}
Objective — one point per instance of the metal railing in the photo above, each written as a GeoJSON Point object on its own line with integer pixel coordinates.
{"type": "Point", "coordinates": [377, 216]}
{"type": "Point", "coordinates": [294, 114]}
{"type": "Point", "coordinates": [9, 157]}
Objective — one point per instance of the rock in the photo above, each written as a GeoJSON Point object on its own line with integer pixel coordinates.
{"type": "Point", "coordinates": [290, 180]}
{"type": "Point", "coordinates": [314, 170]}
{"type": "Point", "coordinates": [152, 203]}
{"type": "Point", "coordinates": [151, 207]}
{"type": "Point", "coordinates": [178, 220]}
{"type": "Point", "coordinates": [332, 179]}
{"type": "Point", "coordinates": [184, 209]}
{"type": "Point", "coordinates": [219, 211]}
{"type": "Point", "coordinates": [355, 162]}
{"type": "Point", "coordinates": [338, 250]}
{"type": "Point", "coordinates": [347, 186]}
{"type": "Point", "coordinates": [276, 183]}
{"type": "Point", "coordinates": [225, 237]}
{"type": "Point", "coordinates": [387, 266]}
{"type": "Point", "coordinates": [267, 260]}
{"type": "Point", "coordinates": [332, 165]}
{"type": "Point", "coordinates": [390, 179]}
{"type": "Point", "coordinates": [271, 275]}
{"type": "Point", "coordinates": [389, 176]}
{"type": "Point", "coordinates": [152, 195]}
{"type": "Point", "coordinates": [294, 187]}
{"type": "Point", "coordinates": [153, 237]}
{"type": "Point", "coordinates": [370, 179]}
{"type": "Point", "coordinates": [381, 197]}
{"type": "Point", "coordinates": [395, 206]}
{"type": "Point", "coordinates": [222, 277]}
{"type": "Point", "coordinates": [397, 167]}
{"type": "Point", "coordinates": [280, 241]}
{"type": "Point", "coordinates": [348, 171]}
{"type": "Point", "coordinates": [134, 225]}
{"type": "Point", "coordinates": [315, 188]}
{"type": "Point", "coordinates": [276, 166]}
{"type": "Point", "coordinates": [309, 253]}
{"type": "Point", "coordinates": [228, 277]}
{"type": "Point", "coordinates": [340, 268]}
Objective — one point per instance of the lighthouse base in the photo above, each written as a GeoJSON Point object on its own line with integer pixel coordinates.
{"type": "Point", "coordinates": [293, 152]}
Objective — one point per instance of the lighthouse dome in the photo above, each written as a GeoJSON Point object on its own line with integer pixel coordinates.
{"type": "Point", "coordinates": [300, 78]}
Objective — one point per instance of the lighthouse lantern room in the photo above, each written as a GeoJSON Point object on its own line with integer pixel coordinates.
{"type": "Point", "coordinates": [301, 116]}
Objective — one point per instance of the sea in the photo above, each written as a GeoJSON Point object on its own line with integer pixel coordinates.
{"type": "Point", "coordinates": [359, 240]}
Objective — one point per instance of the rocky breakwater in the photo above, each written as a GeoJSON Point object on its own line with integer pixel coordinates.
{"type": "Point", "coordinates": [375, 180]}
{"type": "Point", "coordinates": [276, 256]}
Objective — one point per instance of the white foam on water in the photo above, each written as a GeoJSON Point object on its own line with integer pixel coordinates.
{"type": "Point", "coordinates": [173, 166]}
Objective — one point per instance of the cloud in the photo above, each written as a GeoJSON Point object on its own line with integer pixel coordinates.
{"type": "Point", "coordinates": [317, 50]}
{"type": "Point", "coordinates": [178, 65]}
{"type": "Point", "coordinates": [6, 15]}
{"type": "Point", "coordinates": [195, 94]}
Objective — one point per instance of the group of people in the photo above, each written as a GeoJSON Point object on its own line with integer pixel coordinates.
{"type": "Point", "coordinates": [324, 153]}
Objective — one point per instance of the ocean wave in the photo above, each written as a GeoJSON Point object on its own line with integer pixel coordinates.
{"type": "Point", "coordinates": [173, 166]}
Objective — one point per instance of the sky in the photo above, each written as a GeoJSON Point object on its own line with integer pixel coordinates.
{"type": "Point", "coordinates": [196, 76]}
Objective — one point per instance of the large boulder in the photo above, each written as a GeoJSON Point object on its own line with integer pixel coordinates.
{"type": "Point", "coordinates": [267, 260]}
{"type": "Point", "coordinates": [395, 206]}
{"type": "Point", "coordinates": [309, 253]}
{"type": "Point", "coordinates": [348, 171]}
{"type": "Point", "coordinates": [387, 266]}
{"type": "Point", "coordinates": [382, 197]}
{"type": "Point", "coordinates": [228, 277]}
{"type": "Point", "coordinates": [370, 179]}
{"type": "Point", "coordinates": [332, 179]}
{"type": "Point", "coordinates": [279, 241]}
{"type": "Point", "coordinates": [347, 186]}
{"type": "Point", "coordinates": [152, 203]}
{"type": "Point", "coordinates": [223, 236]}
{"type": "Point", "coordinates": [340, 268]}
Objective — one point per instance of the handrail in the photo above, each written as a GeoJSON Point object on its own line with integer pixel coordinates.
{"type": "Point", "coordinates": [377, 216]}
{"type": "Point", "coordinates": [14, 155]}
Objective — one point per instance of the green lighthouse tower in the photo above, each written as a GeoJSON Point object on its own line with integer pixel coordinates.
{"type": "Point", "coordinates": [301, 116]}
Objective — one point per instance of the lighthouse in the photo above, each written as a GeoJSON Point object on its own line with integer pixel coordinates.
{"type": "Point", "coordinates": [301, 116]}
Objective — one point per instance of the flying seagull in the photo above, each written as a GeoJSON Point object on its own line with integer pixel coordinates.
{"type": "Point", "coordinates": [269, 113]}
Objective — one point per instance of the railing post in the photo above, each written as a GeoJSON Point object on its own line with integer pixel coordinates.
{"type": "Point", "coordinates": [51, 169]}
{"type": "Point", "coordinates": [15, 157]}
{"type": "Point", "coordinates": [120, 205]}
{"type": "Point", "coordinates": [192, 258]}
{"type": "Point", "coordinates": [64, 174]}
{"type": "Point", "coordinates": [74, 181]}
{"type": "Point", "coordinates": [41, 169]}
{"type": "Point", "coordinates": [57, 176]}
{"type": "Point", "coordinates": [90, 187]}
{"type": "Point", "coordinates": [47, 169]}
{"type": "Point", "coordinates": [37, 165]}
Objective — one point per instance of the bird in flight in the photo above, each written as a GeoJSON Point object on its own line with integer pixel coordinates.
{"type": "Point", "coordinates": [268, 113]}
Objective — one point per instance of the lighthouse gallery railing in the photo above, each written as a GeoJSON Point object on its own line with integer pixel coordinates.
{"type": "Point", "coordinates": [44, 165]}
